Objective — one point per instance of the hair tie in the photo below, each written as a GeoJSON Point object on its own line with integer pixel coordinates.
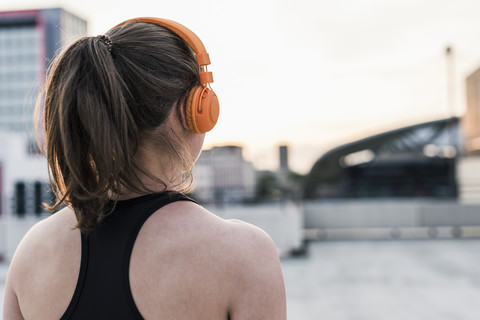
{"type": "Point", "coordinates": [106, 40]}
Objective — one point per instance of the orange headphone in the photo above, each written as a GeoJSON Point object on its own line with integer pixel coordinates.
{"type": "Point", "coordinates": [202, 108]}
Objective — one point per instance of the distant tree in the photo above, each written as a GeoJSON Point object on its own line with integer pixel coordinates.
{"type": "Point", "coordinates": [296, 181]}
{"type": "Point", "coordinates": [278, 186]}
{"type": "Point", "coordinates": [267, 183]}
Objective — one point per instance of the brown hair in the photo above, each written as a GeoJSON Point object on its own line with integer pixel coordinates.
{"type": "Point", "coordinates": [101, 99]}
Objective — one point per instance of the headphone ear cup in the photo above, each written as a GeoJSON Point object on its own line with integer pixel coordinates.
{"type": "Point", "coordinates": [202, 109]}
{"type": "Point", "coordinates": [189, 107]}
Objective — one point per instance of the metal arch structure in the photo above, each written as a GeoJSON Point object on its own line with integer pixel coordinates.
{"type": "Point", "coordinates": [413, 152]}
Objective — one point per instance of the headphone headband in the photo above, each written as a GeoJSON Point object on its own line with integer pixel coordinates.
{"type": "Point", "coordinates": [187, 35]}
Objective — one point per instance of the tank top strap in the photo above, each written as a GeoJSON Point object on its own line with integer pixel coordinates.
{"type": "Point", "coordinates": [81, 279]}
{"type": "Point", "coordinates": [156, 204]}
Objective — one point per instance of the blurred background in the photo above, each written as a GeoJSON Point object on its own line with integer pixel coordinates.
{"type": "Point", "coordinates": [349, 131]}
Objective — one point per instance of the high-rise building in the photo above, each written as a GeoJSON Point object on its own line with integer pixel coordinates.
{"type": "Point", "coordinates": [283, 158]}
{"type": "Point", "coordinates": [471, 120]}
{"type": "Point", "coordinates": [29, 40]}
{"type": "Point", "coordinates": [224, 176]}
{"type": "Point", "coordinates": [468, 167]}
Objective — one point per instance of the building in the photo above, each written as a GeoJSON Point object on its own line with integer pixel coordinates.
{"type": "Point", "coordinates": [469, 165]}
{"type": "Point", "coordinates": [283, 153]}
{"type": "Point", "coordinates": [417, 161]}
{"type": "Point", "coordinates": [223, 176]}
{"type": "Point", "coordinates": [471, 120]}
{"type": "Point", "coordinates": [29, 40]}
{"type": "Point", "coordinates": [24, 177]}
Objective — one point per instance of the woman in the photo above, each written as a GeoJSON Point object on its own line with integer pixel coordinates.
{"type": "Point", "coordinates": [125, 118]}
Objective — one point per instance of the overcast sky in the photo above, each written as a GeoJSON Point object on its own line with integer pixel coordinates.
{"type": "Point", "coordinates": [313, 73]}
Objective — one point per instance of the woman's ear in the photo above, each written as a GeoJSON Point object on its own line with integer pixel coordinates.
{"type": "Point", "coordinates": [181, 108]}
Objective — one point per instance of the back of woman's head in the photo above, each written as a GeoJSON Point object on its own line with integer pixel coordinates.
{"type": "Point", "coordinates": [103, 95]}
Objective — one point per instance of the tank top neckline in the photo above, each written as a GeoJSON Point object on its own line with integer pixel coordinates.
{"type": "Point", "coordinates": [141, 198]}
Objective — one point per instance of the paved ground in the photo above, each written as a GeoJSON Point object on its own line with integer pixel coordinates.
{"type": "Point", "coordinates": [378, 280]}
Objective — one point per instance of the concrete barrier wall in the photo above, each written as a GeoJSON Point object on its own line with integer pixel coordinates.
{"type": "Point", "coordinates": [282, 221]}
{"type": "Point", "coordinates": [468, 178]}
{"type": "Point", "coordinates": [389, 214]}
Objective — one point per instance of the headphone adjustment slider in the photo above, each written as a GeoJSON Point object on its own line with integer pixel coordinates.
{"type": "Point", "coordinates": [206, 77]}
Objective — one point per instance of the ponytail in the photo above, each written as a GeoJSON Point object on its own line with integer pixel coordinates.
{"type": "Point", "coordinates": [86, 121]}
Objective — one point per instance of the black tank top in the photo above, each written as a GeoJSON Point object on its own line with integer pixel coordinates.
{"type": "Point", "coordinates": [103, 286]}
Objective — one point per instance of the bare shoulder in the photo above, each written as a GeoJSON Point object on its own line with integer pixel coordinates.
{"type": "Point", "coordinates": [250, 238]}
{"type": "Point", "coordinates": [259, 287]}
{"type": "Point", "coordinates": [33, 279]}
{"type": "Point", "coordinates": [243, 258]}
{"type": "Point", "coordinates": [250, 247]}
{"type": "Point", "coordinates": [53, 234]}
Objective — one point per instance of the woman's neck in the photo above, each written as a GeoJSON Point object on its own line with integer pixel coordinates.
{"type": "Point", "coordinates": [160, 173]}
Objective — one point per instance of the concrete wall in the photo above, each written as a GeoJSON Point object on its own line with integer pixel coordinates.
{"type": "Point", "coordinates": [389, 214]}
{"type": "Point", "coordinates": [468, 178]}
{"type": "Point", "coordinates": [282, 221]}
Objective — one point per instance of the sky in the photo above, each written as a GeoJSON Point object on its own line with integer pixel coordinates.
{"type": "Point", "coordinates": [314, 74]}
